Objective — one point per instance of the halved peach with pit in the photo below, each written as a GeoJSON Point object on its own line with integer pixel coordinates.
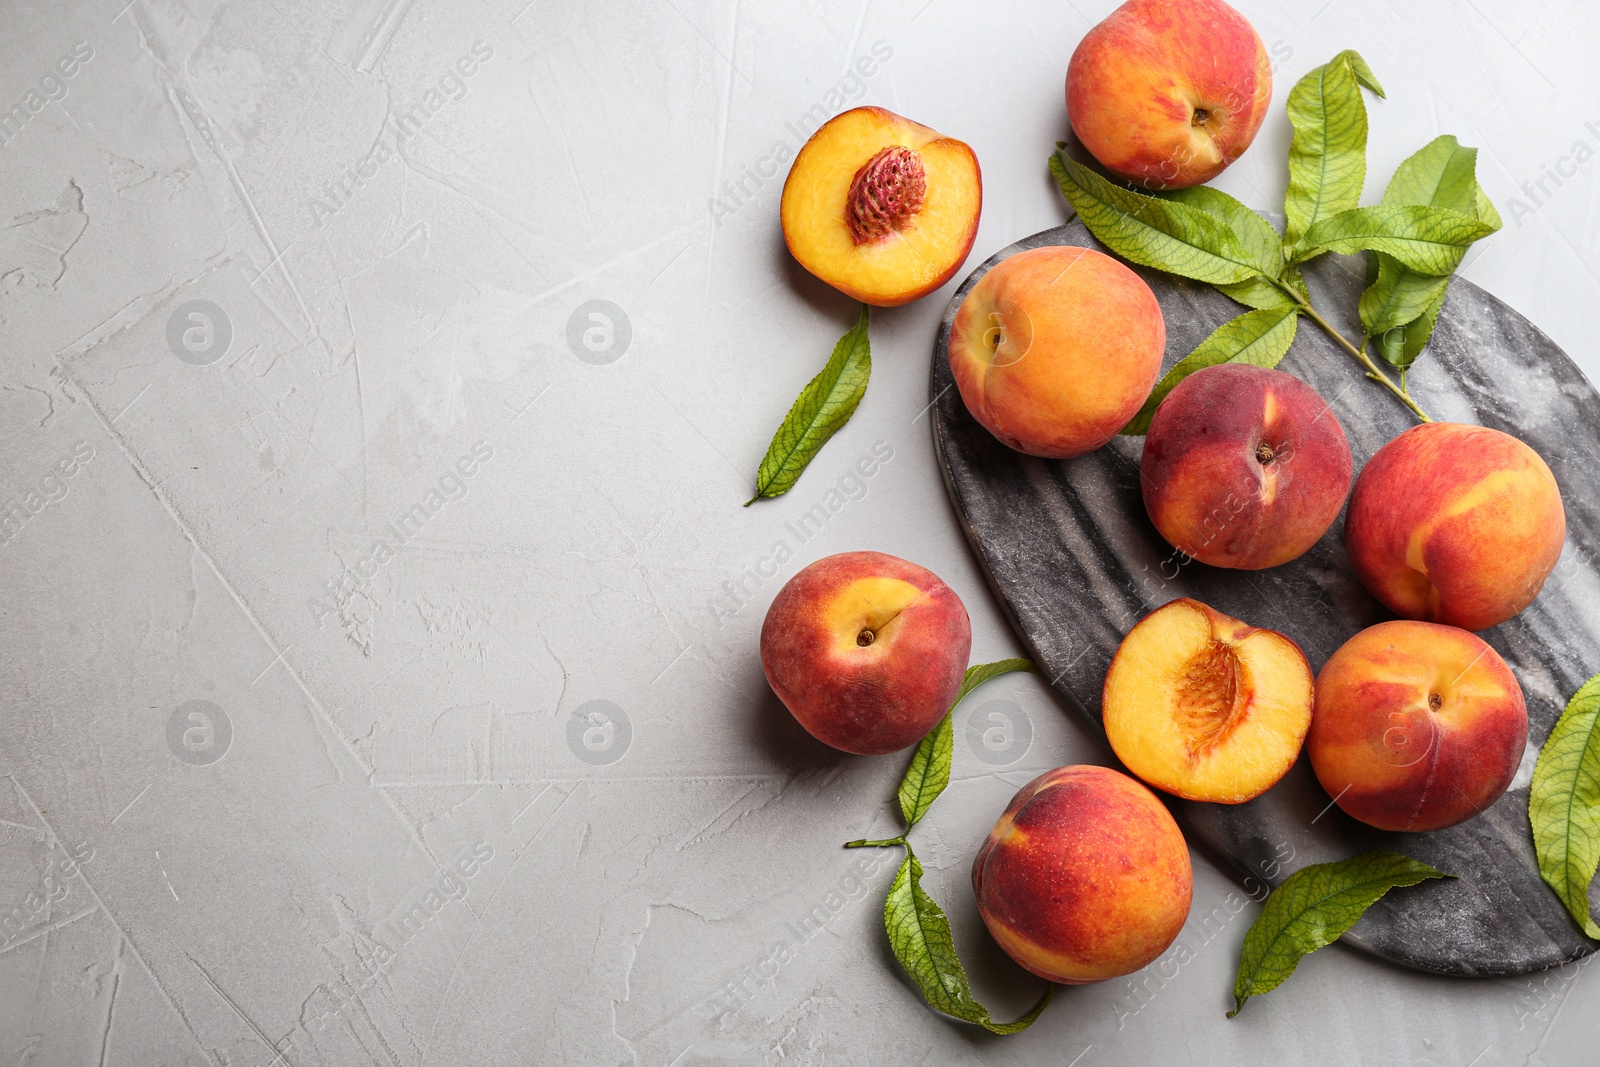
{"type": "Point", "coordinates": [881, 208]}
{"type": "Point", "coordinates": [1206, 707]}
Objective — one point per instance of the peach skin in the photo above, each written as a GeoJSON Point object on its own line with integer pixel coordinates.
{"type": "Point", "coordinates": [1417, 726]}
{"type": "Point", "coordinates": [1056, 348]}
{"type": "Point", "coordinates": [1456, 524]}
{"type": "Point", "coordinates": [1244, 467]}
{"type": "Point", "coordinates": [1167, 93]}
{"type": "Point", "coordinates": [1085, 877]}
{"type": "Point", "coordinates": [866, 650]}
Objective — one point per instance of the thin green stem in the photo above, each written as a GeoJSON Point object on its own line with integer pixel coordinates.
{"type": "Point", "coordinates": [886, 843]}
{"type": "Point", "coordinates": [1360, 354]}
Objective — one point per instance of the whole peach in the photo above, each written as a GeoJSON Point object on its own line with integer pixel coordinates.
{"type": "Point", "coordinates": [866, 650]}
{"type": "Point", "coordinates": [1244, 467]}
{"type": "Point", "coordinates": [1416, 726]}
{"type": "Point", "coordinates": [1167, 93]}
{"type": "Point", "coordinates": [1456, 524]}
{"type": "Point", "coordinates": [1056, 348]}
{"type": "Point", "coordinates": [1085, 877]}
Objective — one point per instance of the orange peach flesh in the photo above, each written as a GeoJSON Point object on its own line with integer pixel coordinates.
{"type": "Point", "coordinates": [897, 262]}
{"type": "Point", "coordinates": [1205, 707]}
{"type": "Point", "coordinates": [1056, 348]}
{"type": "Point", "coordinates": [1084, 877]}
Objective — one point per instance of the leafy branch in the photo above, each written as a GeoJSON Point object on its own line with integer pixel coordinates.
{"type": "Point", "coordinates": [919, 930]}
{"type": "Point", "coordinates": [1432, 212]}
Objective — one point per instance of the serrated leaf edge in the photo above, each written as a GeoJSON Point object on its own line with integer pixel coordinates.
{"type": "Point", "coordinates": [800, 437]}
{"type": "Point", "coordinates": [1419, 872]}
{"type": "Point", "coordinates": [1572, 891]}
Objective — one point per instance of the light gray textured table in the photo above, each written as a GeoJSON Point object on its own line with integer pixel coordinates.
{"type": "Point", "coordinates": [310, 422]}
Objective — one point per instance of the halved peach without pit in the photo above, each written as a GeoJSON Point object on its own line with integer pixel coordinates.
{"type": "Point", "coordinates": [1203, 706]}
{"type": "Point", "coordinates": [881, 208]}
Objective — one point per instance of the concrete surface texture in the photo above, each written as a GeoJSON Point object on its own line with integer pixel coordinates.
{"type": "Point", "coordinates": [381, 383]}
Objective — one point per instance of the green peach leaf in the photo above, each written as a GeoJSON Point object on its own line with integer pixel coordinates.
{"type": "Point", "coordinates": [821, 409]}
{"type": "Point", "coordinates": [1153, 232]}
{"type": "Point", "coordinates": [1400, 346]}
{"type": "Point", "coordinates": [1398, 295]}
{"type": "Point", "coordinates": [1258, 337]}
{"type": "Point", "coordinates": [1363, 73]}
{"type": "Point", "coordinates": [1261, 294]}
{"type": "Point", "coordinates": [919, 935]}
{"type": "Point", "coordinates": [1564, 804]}
{"type": "Point", "coordinates": [929, 772]}
{"type": "Point", "coordinates": [1257, 293]}
{"type": "Point", "coordinates": [1391, 347]}
{"type": "Point", "coordinates": [1485, 208]}
{"type": "Point", "coordinates": [1442, 173]}
{"type": "Point", "coordinates": [1328, 150]}
{"type": "Point", "coordinates": [1260, 240]}
{"type": "Point", "coordinates": [979, 673]}
{"type": "Point", "coordinates": [1253, 230]}
{"type": "Point", "coordinates": [1312, 908]}
{"type": "Point", "coordinates": [1400, 307]}
{"type": "Point", "coordinates": [1428, 240]}
{"type": "Point", "coordinates": [1420, 329]}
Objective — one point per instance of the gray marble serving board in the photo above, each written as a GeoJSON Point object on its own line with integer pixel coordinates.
{"type": "Point", "coordinates": [1075, 561]}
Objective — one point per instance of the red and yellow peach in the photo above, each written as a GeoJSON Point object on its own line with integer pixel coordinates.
{"type": "Point", "coordinates": [1167, 93]}
{"type": "Point", "coordinates": [1056, 348]}
{"type": "Point", "coordinates": [1417, 726]}
{"type": "Point", "coordinates": [1085, 877]}
{"type": "Point", "coordinates": [1456, 524]}
{"type": "Point", "coordinates": [866, 650]}
{"type": "Point", "coordinates": [1244, 467]}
